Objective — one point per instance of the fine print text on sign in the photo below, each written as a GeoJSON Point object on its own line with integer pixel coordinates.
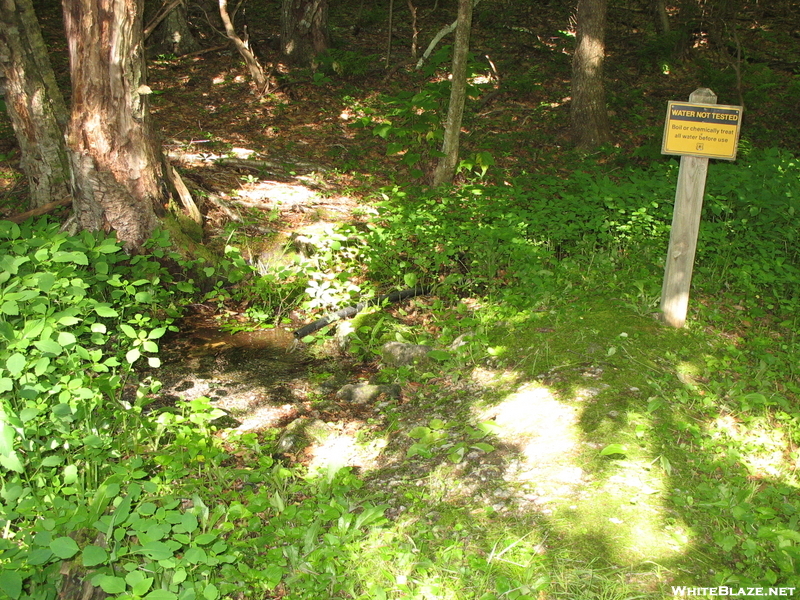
{"type": "Point", "coordinates": [705, 130]}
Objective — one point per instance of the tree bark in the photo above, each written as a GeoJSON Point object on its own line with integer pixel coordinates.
{"type": "Point", "coordinates": [304, 30]}
{"type": "Point", "coordinates": [446, 168]}
{"type": "Point", "coordinates": [114, 153]}
{"type": "Point", "coordinates": [588, 108]}
{"type": "Point", "coordinates": [34, 103]}
{"type": "Point", "coordinates": [660, 16]}
{"type": "Point", "coordinates": [172, 31]}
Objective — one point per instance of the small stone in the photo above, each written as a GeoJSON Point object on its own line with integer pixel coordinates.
{"type": "Point", "coordinates": [397, 354]}
{"type": "Point", "coordinates": [361, 393]}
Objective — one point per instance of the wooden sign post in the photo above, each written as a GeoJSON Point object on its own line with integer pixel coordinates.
{"type": "Point", "coordinates": [696, 130]}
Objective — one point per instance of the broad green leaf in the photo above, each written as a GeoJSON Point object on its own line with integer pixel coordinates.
{"type": "Point", "coordinates": [45, 281]}
{"type": "Point", "coordinates": [52, 461]}
{"type": "Point", "coordinates": [28, 414]}
{"type": "Point", "coordinates": [419, 432]}
{"type": "Point", "coordinates": [65, 338]}
{"type": "Point", "coordinates": [12, 462]}
{"type": "Point", "coordinates": [211, 592]}
{"type": "Point", "coordinates": [6, 330]}
{"type": "Point", "coordinates": [110, 584]}
{"type": "Point", "coordinates": [11, 583]}
{"type": "Point", "coordinates": [49, 346]}
{"type": "Point", "coordinates": [105, 310]}
{"type": "Point", "coordinates": [143, 297]}
{"type": "Point", "coordinates": [272, 575]}
{"type": "Point", "coordinates": [40, 556]}
{"type": "Point", "coordinates": [7, 435]}
{"type": "Point", "coordinates": [484, 447]}
{"type": "Point", "coordinates": [139, 582]}
{"type": "Point", "coordinates": [154, 362]}
{"type": "Point", "coordinates": [128, 330]}
{"type": "Point", "coordinates": [15, 363]}
{"type": "Point", "coordinates": [6, 384]}
{"type": "Point", "coordinates": [394, 148]}
{"type": "Point", "coordinates": [612, 449]}
{"type": "Point", "coordinates": [9, 230]}
{"type": "Point", "coordinates": [179, 576]}
{"type": "Point", "coordinates": [382, 130]}
{"type": "Point", "coordinates": [70, 474]}
{"type": "Point", "coordinates": [68, 320]}
{"type": "Point", "coordinates": [146, 509]}
{"type": "Point", "coordinates": [665, 464]}
{"type": "Point", "coordinates": [188, 523]}
{"type": "Point", "coordinates": [205, 538]}
{"type": "Point", "coordinates": [439, 355]}
{"type": "Point", "coordinates": [132, 355]}
{"type": "Point", "coordinates": [156, 333]}
{"type": "Point", "coordinates": [41, 366]}
{"type": "Point", "coordinates": [195, 556]}
{"type": "Point", "coordinates": [64, 547]}
{"type": "Point", "coordinates": [10, 307]}
{"type": "Point", "coordinates": [79, 258]}
{"type": "Point", "coordinates": [94, 555]}
{"type": "Point", "coordinates": [149, 346]}
{"type": "Point", "coordinates": [156, 551]}
{"type": "Point", "coordinates": [789, 534]}
{"type": "Point", "coordinates": [107, 247]}
{"type": "Point", "coordinates": [489, 427]}
{"type": "Point", "coordinates": [457, 455]}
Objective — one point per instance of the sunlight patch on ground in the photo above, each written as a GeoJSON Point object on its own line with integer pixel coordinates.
{"type": "Point", "coordinates": [274, 192]}
{"type": "Point", "coordinates": [762, 446]}
{"type": "Point", "coordinates": [342, 450]}
{"type": "Point", "coordinates": [545, 432]}
{"type": "Point", "coordinates": [620, 506]}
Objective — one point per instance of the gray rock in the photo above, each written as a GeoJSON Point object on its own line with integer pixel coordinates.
{"type": "Point", "coordinates": [397, 354]}
{"type": "Point", "coordinates": [361, 393]}
{"type": "Point", "coordinates": [300, 432]}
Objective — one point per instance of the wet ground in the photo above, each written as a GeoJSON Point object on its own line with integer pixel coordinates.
{"type": "Point", "coordinates": [260, 378]}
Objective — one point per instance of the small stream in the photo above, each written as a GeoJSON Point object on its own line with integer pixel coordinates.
{"type": "Point", "coordinates": [261, 378]}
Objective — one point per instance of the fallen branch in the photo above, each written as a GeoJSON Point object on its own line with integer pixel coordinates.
{"type": "Point", "coordinates": [181, 192]}
{"type": "Point", "coordinates": [41, 210]}
{"type": "Point", "coordinates": [351, 311]}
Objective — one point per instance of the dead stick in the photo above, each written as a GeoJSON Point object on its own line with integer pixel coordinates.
{"type": "Point", "coordinates": [41, 210]}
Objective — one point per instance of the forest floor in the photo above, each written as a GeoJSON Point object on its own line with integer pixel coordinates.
{"type": "Point", "coordinates": [270, 165]}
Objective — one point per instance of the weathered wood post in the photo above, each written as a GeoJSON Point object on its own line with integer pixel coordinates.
{"type": "Point", "coordinates": [685, 228]}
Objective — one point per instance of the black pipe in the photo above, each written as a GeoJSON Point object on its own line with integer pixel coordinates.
{"type": "Point", "coordinates": [354, 310]}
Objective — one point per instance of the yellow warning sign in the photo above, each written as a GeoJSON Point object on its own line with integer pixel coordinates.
{"type": "Point", "coordinates": [705, 130]}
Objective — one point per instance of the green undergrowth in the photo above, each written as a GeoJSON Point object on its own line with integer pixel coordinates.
{"type": "Point", "coordinates": [640, 457]}
{"type": "Point", "coordinates": [686, 437]}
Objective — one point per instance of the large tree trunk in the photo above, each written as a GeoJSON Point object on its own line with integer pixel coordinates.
{"type": "Point", "coordinates": [172, 33]}
{"type": "Point", "coordinates": [115, 156]}
{"type": "Point", "coordinates": [588, 108]}
{"type": "Point", "coordinates": [304, 30]}
{"type": "Point", "coordinates": [446, 168]}
{"type": "Point", "coordinates": [34, 103]}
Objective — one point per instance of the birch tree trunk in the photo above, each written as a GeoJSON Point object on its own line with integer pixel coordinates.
{"type": "Point", "coordinates": [34, 103]}
{"type": "Point", "coordinates": [446, 169]}
{"type": "Point", "coordinates": [116, 160]}
{"type": "Point", "coordinates": [588, 108]}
